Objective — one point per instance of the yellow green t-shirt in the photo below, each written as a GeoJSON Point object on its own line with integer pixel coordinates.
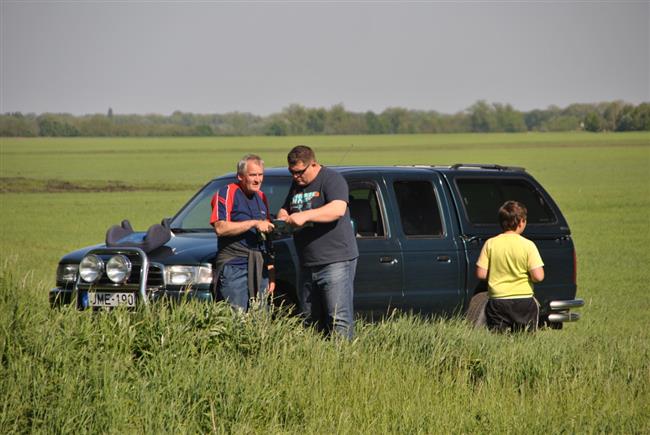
{"type": "Point", "coordinates": [508, 257]}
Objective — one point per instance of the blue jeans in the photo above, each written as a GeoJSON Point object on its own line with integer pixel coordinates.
{"type": "Point", "coordinates": [326, 297]}
{"type": "Point", "coordinates": [233, 287]}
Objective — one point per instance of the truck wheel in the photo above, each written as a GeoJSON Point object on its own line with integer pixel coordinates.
{"type": "Point", "coordinates": [476, 311]}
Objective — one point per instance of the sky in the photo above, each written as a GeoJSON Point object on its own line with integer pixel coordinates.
{"type": "Point", "coordinates": [259, 57]}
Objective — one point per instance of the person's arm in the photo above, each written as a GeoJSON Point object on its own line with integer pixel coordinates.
{"type": "Point", "coordinates": [271, 269]}
{"type": "Point", "coordinates": [483, 263]}
{"type": "Point", "coordinates": [282, 214]}
{"type": "Point", "coordinates": [535, 264]}
{"type": "Point", "coordinates": [328, 213]}
{"type": "Point", "coordinates": [228, 228]}
{"type": "Point", "coordinates": [537, 274]}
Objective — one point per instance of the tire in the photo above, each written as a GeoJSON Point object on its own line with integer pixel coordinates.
{"type": "Point", "coordinates": [475, 313]}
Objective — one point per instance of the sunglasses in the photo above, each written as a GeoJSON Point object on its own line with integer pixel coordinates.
{"type": "Point", "coordinates": [299, 172]}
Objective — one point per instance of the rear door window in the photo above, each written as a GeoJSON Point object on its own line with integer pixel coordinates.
{"type": "Point", "coordinates": [418, 208]}
{"type": "Point", "coordinates": [482, 198]}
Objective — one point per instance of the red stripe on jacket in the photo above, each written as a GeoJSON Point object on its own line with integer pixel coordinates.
{"type": "Point", "coordinates": [229, 202]}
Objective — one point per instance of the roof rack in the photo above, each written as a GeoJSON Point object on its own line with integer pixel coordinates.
{"type": "Point", "coordinates": [481, 166]}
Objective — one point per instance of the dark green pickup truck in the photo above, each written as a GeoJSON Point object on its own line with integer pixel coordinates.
{"type": "Point", "coordinates": [419, 232]}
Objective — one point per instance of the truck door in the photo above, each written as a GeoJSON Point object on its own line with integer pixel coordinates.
{"type": "Point", "coordinates": [378, 283]}
{"type": "Point", "coordinates": [432, 265]}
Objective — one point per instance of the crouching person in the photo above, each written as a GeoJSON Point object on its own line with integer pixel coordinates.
{"type": "Point", "coordinates": [511, 264]}
{"type": "Point", "coordinates": [241, 219]}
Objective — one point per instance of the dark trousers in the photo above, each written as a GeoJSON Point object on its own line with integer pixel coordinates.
{"type": "Point", "coordinates": [512, 314]}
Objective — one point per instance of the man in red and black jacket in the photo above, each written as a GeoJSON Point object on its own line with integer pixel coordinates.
{"type": "Point", "coordinates": [241, 219]}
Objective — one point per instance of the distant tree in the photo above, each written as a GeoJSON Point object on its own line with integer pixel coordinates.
{"type": "Point", "coordinates": [316, 120]}
{"type": "Point", "coordinates": [482, 118]}
{"type": "Point", "coordinates": [642, 116]}
{"type": "Point", "coordinates": [336, 120]}
{"type": "Point", "coordinates": [397, 120]}
{"type": "Point", "coordinates": [296, 118]}
{"type": "Point", "coordinates": [203, 130]}
{"type": "Point", "coordinates": [508, 119]}
{"type": "Point", "coordinates": [55, 125]}
{"type": "Point", "coordinates": [580, 110]}
{"type": "Point", "coordinates": [611, 114]}
{"type": "Point", "coordinates": [593, 122]}
{"type": "Point", "coordinates": [18, 125]}
{"type": "Point", "coordinates": [95, 125]}
{"type": "Point", "coordinates": [374, 123]}
{"type": "Point", "coordinates": [535, 118]}
{"type": "Point", "coordinates": [625, 121]}
{"type": "Point", "coordinates": [276, 128]}
{"type": "Point", "coordinates": [561, 123]}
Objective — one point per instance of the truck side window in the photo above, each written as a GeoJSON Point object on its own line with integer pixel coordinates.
{"type": "Point", "coordinates": [482, 198]}
{"type": "Point", "coordinates": [418, 208]}
{"type": "Point", "coordinates": [365, 211]}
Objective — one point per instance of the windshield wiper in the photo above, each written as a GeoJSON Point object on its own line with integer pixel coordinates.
{"type": "Point", "coordinates": [190, 230]}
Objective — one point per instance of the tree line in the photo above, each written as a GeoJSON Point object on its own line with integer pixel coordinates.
{"type": "Point", "coordinates": [481, 117]}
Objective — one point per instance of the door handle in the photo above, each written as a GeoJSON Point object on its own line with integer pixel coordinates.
{"type": "Point", "coordinates": [443, 258]}
{"type": "Point", "coordinates": [388, 260]}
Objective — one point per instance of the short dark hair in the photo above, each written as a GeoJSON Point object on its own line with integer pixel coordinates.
{"type": "Point", "coordinates": [511, 214]}
{"type": "Point", "coordinates": [301, 153]}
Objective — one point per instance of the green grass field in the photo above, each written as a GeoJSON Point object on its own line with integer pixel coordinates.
{"type": "Point", "coordinates": [199, 368]}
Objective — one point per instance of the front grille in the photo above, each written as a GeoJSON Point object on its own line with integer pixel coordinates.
{"type": "Point", "coordinates": [155, 277]}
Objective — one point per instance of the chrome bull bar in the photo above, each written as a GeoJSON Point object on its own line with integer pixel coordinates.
{"type": "Point", "coordinates": [144, 267]}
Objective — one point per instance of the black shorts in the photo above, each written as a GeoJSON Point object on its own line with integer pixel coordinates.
{"type": "Point", "coordinates": [512, 314]}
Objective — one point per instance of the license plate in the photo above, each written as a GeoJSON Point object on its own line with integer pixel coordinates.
{"type": "Point", "coordinates": [111, 299]}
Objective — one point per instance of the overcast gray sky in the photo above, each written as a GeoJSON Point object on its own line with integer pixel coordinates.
{"type": "Point", "coordinates": [217, 57]}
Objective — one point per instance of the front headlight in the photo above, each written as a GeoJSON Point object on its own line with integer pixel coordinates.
{"type": "Point", "coordinates": [91, 268]}
{"type": "Point", "coordinates": [187, 275]}
{"type": "Point", "coordinates": [67, 273]}
{"type": "Point", "coordinates": [118, 269]}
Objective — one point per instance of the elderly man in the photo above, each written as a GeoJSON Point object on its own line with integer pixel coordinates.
{"type": "Point", "coordinates": [241, 218]}
{"type": "Point", "coordinates": [327, 247]}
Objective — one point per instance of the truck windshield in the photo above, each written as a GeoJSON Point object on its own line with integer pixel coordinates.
{"type": "Point", "coordinates": [195, 215]}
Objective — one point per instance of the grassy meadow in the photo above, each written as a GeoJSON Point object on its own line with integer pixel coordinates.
{"type": "Point", "coordinates": [200, 368]}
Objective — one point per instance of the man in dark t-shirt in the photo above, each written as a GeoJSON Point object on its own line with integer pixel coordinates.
{"type": "Point", "coordinates": [327, 248]}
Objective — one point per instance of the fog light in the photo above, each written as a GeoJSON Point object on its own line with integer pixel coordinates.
{"type": "Point", "coordinates": [91, 268]}
{"type": "Point", "coordinates": [118, 269]}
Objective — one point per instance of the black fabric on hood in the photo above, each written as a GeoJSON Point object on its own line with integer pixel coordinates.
{"type": "Point", "coordinates": [123, 235]}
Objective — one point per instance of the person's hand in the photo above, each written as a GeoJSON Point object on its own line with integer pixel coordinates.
{"type": "Point", "coordinates": [271, 287]}
{"type": "Point", "coordinates": [297, 219]}
{"type": "Point", "coordinates": [264, 226]}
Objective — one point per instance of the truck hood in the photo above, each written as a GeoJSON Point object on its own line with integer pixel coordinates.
{"type": "Point", "coordinates": [187, 248]}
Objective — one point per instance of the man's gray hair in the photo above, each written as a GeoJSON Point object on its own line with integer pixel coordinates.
{"type": "Point", "coordinates": [241, 165]}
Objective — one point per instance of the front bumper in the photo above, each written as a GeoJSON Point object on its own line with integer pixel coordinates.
{"type": "Point", "coordinates": [61, 296]}
{"type": "Point", "coordinates": [147, 283]}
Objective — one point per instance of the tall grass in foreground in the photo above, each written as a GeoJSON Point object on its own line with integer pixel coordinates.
{"type": "Point", "coordinates": [201, 368]}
